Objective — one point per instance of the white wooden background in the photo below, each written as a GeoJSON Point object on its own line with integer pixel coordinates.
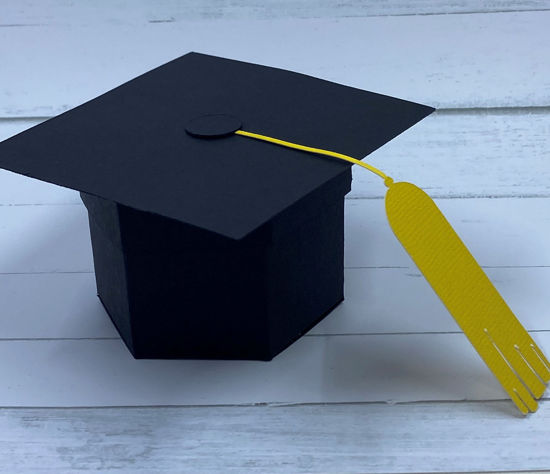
{"type": "Point", "coordinates": [387, 383]}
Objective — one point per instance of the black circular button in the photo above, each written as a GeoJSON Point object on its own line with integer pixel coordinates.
{"type": "Point", "coordinates": [213, 125]}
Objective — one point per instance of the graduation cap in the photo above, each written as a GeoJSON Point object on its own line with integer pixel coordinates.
{"type": "Point", "coordinates": [208, 244]}
{"type": "Point", "coordinates": [217, 225]}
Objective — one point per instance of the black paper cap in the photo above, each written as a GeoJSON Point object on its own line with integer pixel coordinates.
{"type": "Point", "coordinates": [163, 142]}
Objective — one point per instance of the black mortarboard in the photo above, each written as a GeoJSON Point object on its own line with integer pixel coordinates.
{"type": "Point", "coordinates": [209, 244]}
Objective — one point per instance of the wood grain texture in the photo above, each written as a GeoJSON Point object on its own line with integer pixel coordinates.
{"type": "Point", "coordinates": [448, 61]}
{"type": "Point", "coordinates": [467, 154]}
{"type": "Point", "coordinates": [397, 300]}
{"type": "Point", "coordinates": [122, 13]}
{"type": "Point", "coordinates": [319, 369]}
{"type": "Point", "coordinates": [499, 232]}
{"type": "Point", "coordinates": [352, 438]}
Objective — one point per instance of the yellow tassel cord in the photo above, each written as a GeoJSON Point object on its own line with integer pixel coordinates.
{"type": "Point", "coordinates": [318, 151]}
{"type": "Point", "coordinates": [492, 328]}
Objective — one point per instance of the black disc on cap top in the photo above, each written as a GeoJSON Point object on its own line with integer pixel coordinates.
{"type": "Point", "coordinates": [213, 125]}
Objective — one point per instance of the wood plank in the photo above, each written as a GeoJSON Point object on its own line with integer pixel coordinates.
{"type": "Point", "coordinates": [441, 437]}
{"type": "Point", "coordinates": [378, 300]}
{"type": "Point", "coordinates": [502, 153]}
{"type": "Point", "coordinates": [396, 300]}
{"type": "Point", "coordinates": [18, 190]}
{"type": "Point", "coordinates": [485, 60]}
{"type": "Point", "coordinates": [480, 154]}
{"type": "Point", "coordinates": [37, 239]}
{"type": "Point", "coordinates": [320, 369]}
{"type": "Point", "coordinates": [52, 305]}
{"type": "Point", "coordinates": [122, 13]}
{"type": "Point", "coordinates": [499, 232]}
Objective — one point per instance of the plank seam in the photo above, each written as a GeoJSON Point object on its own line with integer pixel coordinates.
{"type": "Point", "coordinates": [38, 204]}
{"type": "Point", "coordinates": [266, 404]}
{"type": "Point", "coordinates": [406, 333]}
{"type": "Point", "coordinates": [348, 198]}
{"type": "Point", "coordinates": [469, 12]}
{"type": "Point", "coordinates": [464, 196]}
{"type": "Point", "coordinates": [406, 268]}
{"type": "Point", "coordinates": [366, 267]}
{"type": "Point", "coordinates": [520, 109]}
{"type": "Point", "coordinates": [361, 334]}
{"type": "Point", "coordinates": [55, 272]}
{"type": "Point", "coordinates": [219, 18]}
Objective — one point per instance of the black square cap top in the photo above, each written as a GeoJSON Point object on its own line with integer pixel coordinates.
{"type": "Point", "coordinates": [130, 145]}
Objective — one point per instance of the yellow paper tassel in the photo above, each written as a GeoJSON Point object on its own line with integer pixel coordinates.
{"type": "Point", "coordinates": [464, 288]}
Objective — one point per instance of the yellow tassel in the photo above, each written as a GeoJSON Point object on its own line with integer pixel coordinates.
{"type": "Point", "coordinates": [464, 288]}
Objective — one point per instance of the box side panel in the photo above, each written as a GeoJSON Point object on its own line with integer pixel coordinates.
{"type": "Point", "coordinates": [194, 294]}
{"type": "Point", "coordinates": [105, 215]}
{"type": "Point", "coordinates": [312, 205]}
{"type": "Point", "coordinates": [306, 262]}
{"type": "Point", "coordinates": [306, 274]}
{"type": "Point", "coordinates": [109, 264]}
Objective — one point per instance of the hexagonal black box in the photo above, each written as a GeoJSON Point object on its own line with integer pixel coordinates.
{"type": "Point", "coordinates": [178, 291]}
